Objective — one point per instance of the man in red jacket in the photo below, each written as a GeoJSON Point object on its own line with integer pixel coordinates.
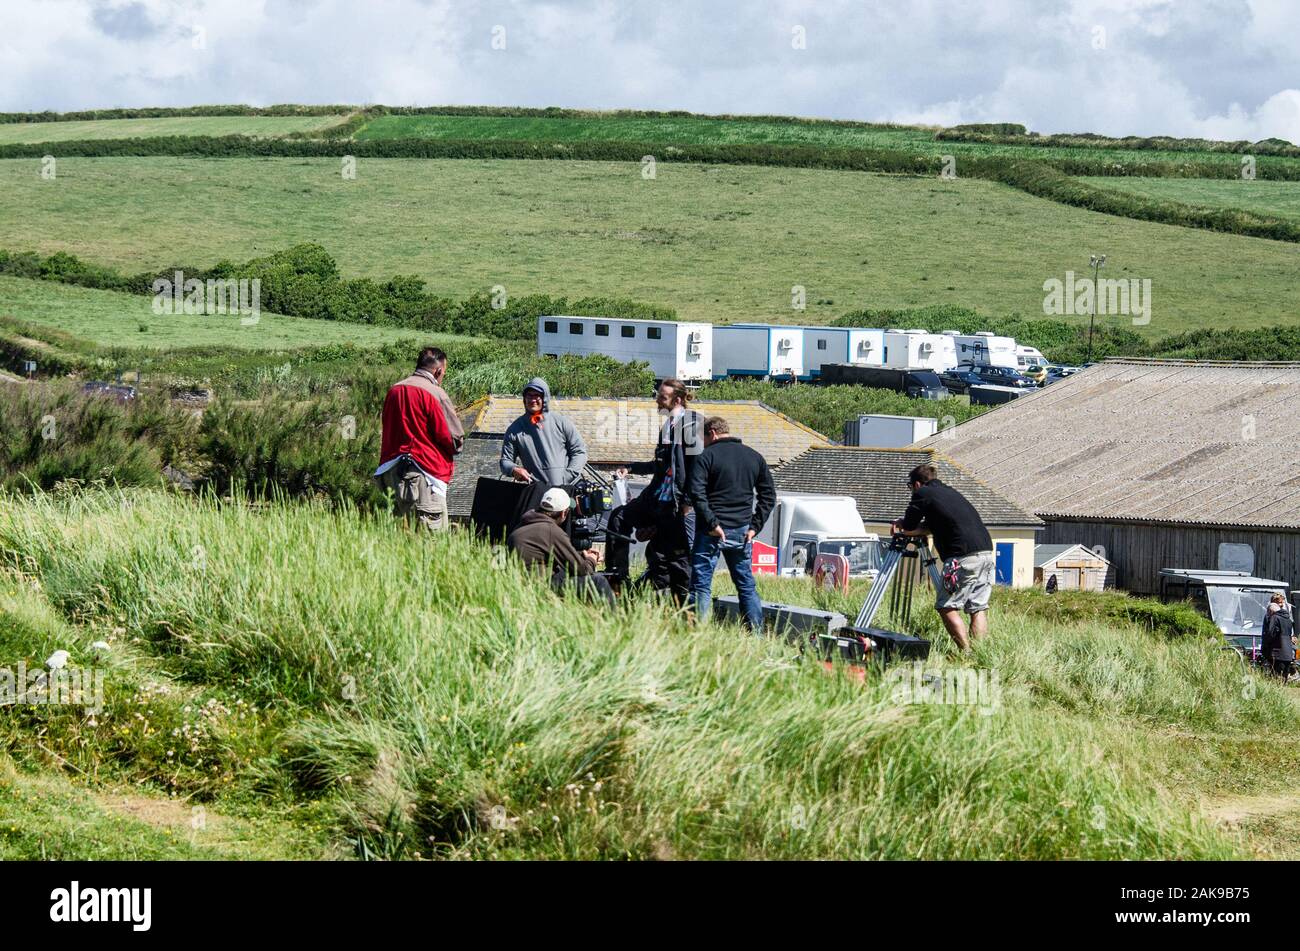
{"type": "Point", "coordinates": [422, 434]}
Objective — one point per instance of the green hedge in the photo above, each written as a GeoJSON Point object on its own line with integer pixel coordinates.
{"type": "Point", "coordinates": [164, 112]}
{"type": "Point", "coordinates": [1011, 134]}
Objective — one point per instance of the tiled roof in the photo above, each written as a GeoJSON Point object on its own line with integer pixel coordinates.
{"type": "Point", "coordinates": [1199, 442]}
{"type": "Point", "coordinates": [620, 431]}
{"type": "Point", "coordinates": [877, 480]}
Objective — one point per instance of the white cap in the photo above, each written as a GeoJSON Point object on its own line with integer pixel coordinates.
{"type": "Point", "coordinates": [555, 500]}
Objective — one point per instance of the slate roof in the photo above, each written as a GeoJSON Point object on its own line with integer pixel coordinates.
{"type": "Point", "coordinates": [1176, 441]}
{"type": "Point", "coordinates": [877, 480]}
{"type": "Point", "coordinates": [617, 431]}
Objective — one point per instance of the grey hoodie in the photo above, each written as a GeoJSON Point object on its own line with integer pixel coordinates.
{"type": "Point", "coordinates": [551, 450]}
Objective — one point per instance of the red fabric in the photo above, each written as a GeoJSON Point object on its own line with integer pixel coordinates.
{"type": "Point", "coordinates": [415, 426]}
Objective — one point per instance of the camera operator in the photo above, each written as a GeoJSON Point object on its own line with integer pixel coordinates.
{"type": "Point", "coordinates": [541, 446]}
{"type": "Point", "coordinates": [663, 509]}
{"type": "Point", "coordinates": [964, 545]}
{"type": "Point", "coordinates": [543, 544]}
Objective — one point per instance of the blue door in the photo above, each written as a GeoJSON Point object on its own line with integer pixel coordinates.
{"type": "Point", "coordinates": [1002, 562]}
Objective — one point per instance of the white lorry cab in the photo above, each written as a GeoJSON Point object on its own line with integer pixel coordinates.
{"type": "Point", "coordinates": [769, 351]}
{"type": "Point", "coordinates": [919, 350]}
{"type": "Point", "coordinates": [855, 345]}
{"type": "Point", "coordinates": [985, 349]}
{"type": "Point", "coordinates": [675, 349]}
{"type": "Point", "coordinates": [802, 527]}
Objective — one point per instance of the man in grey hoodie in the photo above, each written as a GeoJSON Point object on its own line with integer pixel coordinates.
{"type": "Point", "coordinates": [541, 446]}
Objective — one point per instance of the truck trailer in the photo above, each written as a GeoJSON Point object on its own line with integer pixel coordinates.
{"type": "Point", "coordinates": [768, 351]}
{"type": "Point", "coordinates": [683, 351]}
{"type": "Point", "coordinates": [984, 349]}
{"type": "Point", "coordinates": [919, 350]}
{"type": "Point", "coordinates": [823, 345]}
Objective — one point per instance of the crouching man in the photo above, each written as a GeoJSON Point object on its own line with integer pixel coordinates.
{"type": "Point", "coordinates": [964, 546]}
{"type": "Point", "coordinates": [543, 545]}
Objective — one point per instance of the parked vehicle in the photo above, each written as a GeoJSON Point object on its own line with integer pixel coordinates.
{"type": "Point", "coordinates": [823, 345]}
{"type": "Point", "coordinates": [919, 349]}
{"type": "Point", "coordinates": [984, 349]}
{"type": "Point", "coordinates": [1236, 601]}
{"type": "Point", "coordinates": [1000, 376]}
{"type": "Point", "coordinates": [670, 347]}
{"type": "Point", "coordinates": [761, 350]}
{"type": "Point", "coordinates": [804, 526]}
{"type": "Point", "coordinates": [1029, 358]}
{"type": "Point", "coordinates": [922, 384]}
{"type": "Point", "coordinates": [960, 379]}
{"type": "Point", "coordinates": [993, 394]}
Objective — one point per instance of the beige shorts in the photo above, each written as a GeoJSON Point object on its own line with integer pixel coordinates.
{"type": "Point", "coordinates": [974, 585]}
{"type": "Point", "coordinates": [414, 497]}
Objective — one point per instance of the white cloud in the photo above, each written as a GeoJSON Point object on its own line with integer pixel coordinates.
{"type": "Point", "coordinates": [1224, 69]}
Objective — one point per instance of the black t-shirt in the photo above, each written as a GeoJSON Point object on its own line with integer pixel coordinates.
{"type": "Point", "coordinates": [957, 528]}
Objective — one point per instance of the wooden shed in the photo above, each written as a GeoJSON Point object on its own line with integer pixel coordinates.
{"type": "Point", "coordinates": [1076, 567]}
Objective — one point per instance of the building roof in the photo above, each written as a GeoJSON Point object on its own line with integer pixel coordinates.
{"type": "Point", "coordinates": [618, 431]}
{"type": "Point", "coordinates": [1176, 441]}
{"type": "Point", "coordinates": [1046, 554]}
{"type": "Point", "coordinates": [877, 480]}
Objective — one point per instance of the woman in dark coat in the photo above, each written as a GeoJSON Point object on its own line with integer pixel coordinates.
{"type": "Point", "coordinates": [1277, 645]}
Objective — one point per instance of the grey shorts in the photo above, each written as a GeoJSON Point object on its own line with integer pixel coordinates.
{"type": "Point", "coordinates": [974, 585]}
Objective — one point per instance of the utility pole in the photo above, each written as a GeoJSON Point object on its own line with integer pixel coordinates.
{"type": "Point", "coordinates": [1095, 262]}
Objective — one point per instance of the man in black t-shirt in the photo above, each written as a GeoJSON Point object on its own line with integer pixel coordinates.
{"type": "Point", "coordinates": [964, 546]}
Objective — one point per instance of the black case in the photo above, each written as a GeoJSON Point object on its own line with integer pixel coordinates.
{"type": "Point", "coordinates": [858, 645]}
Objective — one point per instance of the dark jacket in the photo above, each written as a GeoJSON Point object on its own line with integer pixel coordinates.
{"type": "Point", "coordinates": [542, 543]}
{"type": "Point", "coordinates": [1277, 643]}
{"type": "Point", "coordinates": [681, 441]}
{"type": "Point", "coordinates": [956, 527]}
{"type": "Point", "coordinates": [724, 483]}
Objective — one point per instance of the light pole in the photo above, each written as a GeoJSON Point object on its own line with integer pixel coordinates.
{"type": "Point", "coordinates": [1095, 262]}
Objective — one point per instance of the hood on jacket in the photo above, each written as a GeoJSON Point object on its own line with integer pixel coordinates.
{"type": "Point", "coordinates": [537, 383]}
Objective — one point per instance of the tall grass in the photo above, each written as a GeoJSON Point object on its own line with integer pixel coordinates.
{"type": "Point", "coordinates": [444, 703]}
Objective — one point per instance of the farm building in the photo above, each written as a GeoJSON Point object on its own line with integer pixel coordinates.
{"type": "Point", "coordinates": [877, 480]}
{"type": "Point", "coordinates": [616, 432]}
{"type": "Point", "coordinates": [671, 348]}
{"type": "Point", "coordinates": [1158, 462]}
{"type": "Point", "coordinates": [1074, 567]}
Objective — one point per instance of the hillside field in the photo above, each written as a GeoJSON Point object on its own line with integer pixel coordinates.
{"type": "Point", "coordinates": [1265, 198]}
{"type": "Point", "coordinates": [717, 243]}
{"type": "Point", "coordinates": [259, 126]}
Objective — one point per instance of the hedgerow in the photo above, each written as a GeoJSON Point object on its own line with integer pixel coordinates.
{"type": "Point", "coordinates": [1012, 134]}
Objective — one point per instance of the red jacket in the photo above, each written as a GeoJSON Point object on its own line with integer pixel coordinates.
{"type": "Point", "coordinates": [421, 422]}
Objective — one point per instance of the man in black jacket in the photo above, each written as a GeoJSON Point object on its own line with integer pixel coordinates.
{"type": "Point", "coordinates": [964, 546]}
{"type": "Point", "coordinates": [733, 493]}
{"type": "Point", "coordinates": [1277, 646]}
{"type": "Point", "coordinates": [663, 509]}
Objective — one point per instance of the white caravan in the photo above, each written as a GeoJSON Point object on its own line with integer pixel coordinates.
{"type": "Point", "coordinates": [919, 350]}
{"type": "Point", "coordinates": [671, 348]}
{"type": "Point", "coordinates": [762, 350]}
{"type": "Point", "coordinates": [841, 345]}
{"type": "Point", "coordinates": [984, 349]}
{"type": "Point", "coordinates": [1027, 357]}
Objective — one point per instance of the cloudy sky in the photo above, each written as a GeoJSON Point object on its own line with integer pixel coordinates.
{"type": "Point", "coordinates": [1217, 68]}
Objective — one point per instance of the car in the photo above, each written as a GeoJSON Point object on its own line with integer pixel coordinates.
{"type": "Point", "coordinates": [960, 379]}
{"type": "Point", "coordinates": [1002, 376]}
{"type": "Point", "coordinates": [1035, 373]}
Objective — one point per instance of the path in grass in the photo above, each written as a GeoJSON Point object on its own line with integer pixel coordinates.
{"type": "Point", "coordinates": [715, 242]}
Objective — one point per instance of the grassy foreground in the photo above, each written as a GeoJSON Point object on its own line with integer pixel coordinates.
{"type": "Point", "coordinates": [347, 684]}
{"type": "Point", "coordinates": [750, 234]}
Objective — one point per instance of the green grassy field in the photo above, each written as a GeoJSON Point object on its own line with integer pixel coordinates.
{"type": "Point", "coordinates": [716, 243]}
{"type": "Point", "coordinates": [111, 319]}
{"type": "Point", "coordinates": [1265, 198]}
{"type": "Point", "coordinates": [701, 130]}
{"type": "Point", "coordinates": [274, 662]}
{"type": "Point", "coordinates": [147, 128]}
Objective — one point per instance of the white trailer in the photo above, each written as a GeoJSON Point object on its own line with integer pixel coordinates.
{"type": "Point", "coordinates": [888, 432]}
{"type": "Point", "coordinates": [762, 350]}
{"type": "Point", "coordinates": [984, 349]}
{"type": "Point", "coordinates": [841, 345]}
{"type": "Point", "coordinates": [919, 350]}
{"type": "Point", "coordinates": [1027, 357]}
{"type": "Point", "coordinates": [802, 526]}
{"type": "Point", "coordinates": [672, 349]}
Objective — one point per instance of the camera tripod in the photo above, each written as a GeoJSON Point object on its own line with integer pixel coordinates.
{"type": "Point", "coordinates": [901, 553]}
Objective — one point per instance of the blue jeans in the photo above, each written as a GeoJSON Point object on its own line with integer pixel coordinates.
{"type": "Point", "coordinates": [704, 561]}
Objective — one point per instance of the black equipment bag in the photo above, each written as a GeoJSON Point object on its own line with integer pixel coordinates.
{"type": "Point", "coordinates": [858, 645]}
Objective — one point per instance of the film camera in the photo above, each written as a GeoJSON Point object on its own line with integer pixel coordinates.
{"type": "Point", "coordinates": [590, 502]}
